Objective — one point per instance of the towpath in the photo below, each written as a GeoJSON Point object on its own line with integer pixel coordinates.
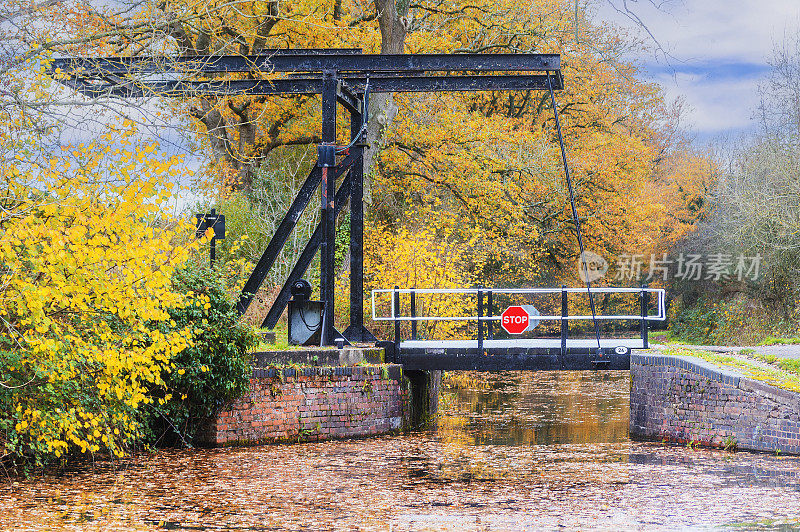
{"type": "Point", "coordinates": [778, 350]}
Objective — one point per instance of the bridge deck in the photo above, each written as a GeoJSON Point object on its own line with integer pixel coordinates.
{"type": "Point", "coordinates": [517, 354]}
{"type": "Point", "coordinates": [524, 344]}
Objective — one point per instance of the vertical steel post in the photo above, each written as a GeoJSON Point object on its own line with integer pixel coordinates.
{"type": "Point", "coordinates": [489, 311]}
{"type": "Point", "coordinates": [645, 300]}
{"type": "Point", "coordinates": [480, 319]}
{"type": "Point", "coordinates": [413, 314]}
{"type": "Point", "coordinates": [213, 245]}
{"type": "Point", "coordinates": [328, 215]}
{"type": "Point", "coordinates": [357, 231]}
{"type": "Point", "coordinates": [395, 314]}
{"type": "Point", "coordinates": [564, 321]}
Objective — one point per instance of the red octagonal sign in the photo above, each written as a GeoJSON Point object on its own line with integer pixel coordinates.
{"type": "Point", "coordinates": [514, 319]}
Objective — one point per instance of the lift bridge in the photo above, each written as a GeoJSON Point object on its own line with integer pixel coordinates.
{"type": "Point", "coordinates": [495, 348]}
{"type": "Point", "coordinates": [347, 77]}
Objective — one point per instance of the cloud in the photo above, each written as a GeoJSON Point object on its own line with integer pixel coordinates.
{"type": "Point", "coordinates": [713, 53]}
{"type": "Point", "coordinates": [712, 29]}
{"type": "Point", "coordinates": [721, 96]}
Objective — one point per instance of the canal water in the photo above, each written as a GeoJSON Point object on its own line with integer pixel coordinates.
{"type": "Point", "coordinates": [513, 451]}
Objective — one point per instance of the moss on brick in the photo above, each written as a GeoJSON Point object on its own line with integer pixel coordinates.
{"type": "Point", "coordinates": [783, 374]}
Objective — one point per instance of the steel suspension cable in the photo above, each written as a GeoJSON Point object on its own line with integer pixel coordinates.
{"type": "Point", "coordinates": [364, 121]}
{"type": "Point", "coordinates": [575, 215]}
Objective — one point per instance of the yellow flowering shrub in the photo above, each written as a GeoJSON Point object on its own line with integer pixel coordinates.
{"type": "Point", "coordinates": [86, 259]}
{"type": "Point", "coordinates": [430, 256]}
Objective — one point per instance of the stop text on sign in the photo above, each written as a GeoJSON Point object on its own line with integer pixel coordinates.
{"type": "Point", "coordinates": [515, 319]}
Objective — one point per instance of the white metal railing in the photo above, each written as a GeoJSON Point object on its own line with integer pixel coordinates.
{"type": "Point", "coordinates": [395, 315]}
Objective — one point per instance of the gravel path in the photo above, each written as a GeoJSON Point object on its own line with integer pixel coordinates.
{"type": "Point", "coordinates": [781, 351]}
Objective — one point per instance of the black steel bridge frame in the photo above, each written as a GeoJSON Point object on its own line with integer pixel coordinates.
{"type": "Point", "coordinates": [342, 77]}
{"type": "Point", "coordinates": [486, 354]}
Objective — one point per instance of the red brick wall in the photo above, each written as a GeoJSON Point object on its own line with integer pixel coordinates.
{"type": "Point", "coordinates": [313, 403]}
{"type": "Point", "coordinates": [686, 399]}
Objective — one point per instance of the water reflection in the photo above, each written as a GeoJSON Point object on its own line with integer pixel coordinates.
{"type": "Point", "coordinates": [770, 471]}
{"type": "Point", "coordinates": [513, 452]}
{"type": "Point", "coordinates": [535, 408]}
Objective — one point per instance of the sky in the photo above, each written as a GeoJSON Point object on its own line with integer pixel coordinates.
{"type": "Point", "coordinates": [711, 53]}
{"type": "Point", "coordinates": [717, 52]}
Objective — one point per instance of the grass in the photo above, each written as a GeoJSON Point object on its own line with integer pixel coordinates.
{"type": "Point", "coordinates": [772, 340]}
{"type": "Point", "coordinates": [790, 365]}
{"type": "Point", "coordinates": [281, 340]}
{"type": "Point", "coordinates": [783, 373]}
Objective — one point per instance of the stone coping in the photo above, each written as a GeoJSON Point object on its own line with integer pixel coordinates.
{"type": "Point", "coordinates": [316, 356]}
{"type": "Point", "coordinates": [711, 371]}
{"type": "Point", "coordinates": [392, 371]}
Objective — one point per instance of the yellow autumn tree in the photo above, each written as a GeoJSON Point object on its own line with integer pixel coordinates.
{"type": "Point", "coordinates": [430, 257]}
{"type": "Point", "coordinates": [493, 158]}
{"type": "Point", "coordinates": [86, 259]}
{"type": "Point", "coordinates": [489, 158]}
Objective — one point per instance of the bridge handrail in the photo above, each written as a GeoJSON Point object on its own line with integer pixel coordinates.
{"type": "Point", "coordinates": [659, 316]}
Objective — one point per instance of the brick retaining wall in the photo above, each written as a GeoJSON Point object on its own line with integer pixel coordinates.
{"type": "Point", "coordinates": [685, 399]}
{"type": "Point", "coordinates": [313, 403]}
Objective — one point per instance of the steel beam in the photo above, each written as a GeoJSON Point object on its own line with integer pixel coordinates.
{"type": "Point", "coordinates": [289, 61]}
{"type": "Point", "coordinates": [278, 240]}
{"type": "Point", "coordinates": [339, 75]}
{"type": "Point", "coordinates": [327, 260]}
{"type": "Point", "coordinates": [314, 85]}
{"type": "Point", "coordinates": [282, 233]}
{"type": "Point", "coordinates": [355, 332]}
{"type": "Point", "coordinates": [350, 100]}
{"type": "Point", "coordinates": [508, 359]}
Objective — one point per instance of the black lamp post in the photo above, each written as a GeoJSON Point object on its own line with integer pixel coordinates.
{"type": "Point", "coordinates": [215, 221]}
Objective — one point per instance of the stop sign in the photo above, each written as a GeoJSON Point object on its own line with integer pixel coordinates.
{"type": "Point", "coordinates": [514, 319]}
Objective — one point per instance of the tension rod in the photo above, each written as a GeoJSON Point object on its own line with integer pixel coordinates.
{"type": "Point", "coordinates": [575, 216]}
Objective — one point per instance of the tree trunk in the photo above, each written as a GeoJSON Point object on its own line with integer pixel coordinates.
{"type": "Point", "coordinates": [393, 21]}
{"type": "Point", "coordinates": [241, 156]}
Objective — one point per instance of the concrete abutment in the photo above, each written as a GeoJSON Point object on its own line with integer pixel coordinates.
{"type": "Point", "coordinates": [424, 396]}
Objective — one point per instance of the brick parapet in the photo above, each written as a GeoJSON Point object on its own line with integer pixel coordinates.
{"type": "Point", "coordinates": [683, 399]}
{"type": "Point", "coordinates": [312, 403]}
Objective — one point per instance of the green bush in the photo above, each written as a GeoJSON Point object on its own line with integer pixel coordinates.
{"type": "Point", "coordinates": [215, 369]}
{"type": "Point", "coordinates": [731, 320]}
{"type": "Point", "coordinates": [697, 324]}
